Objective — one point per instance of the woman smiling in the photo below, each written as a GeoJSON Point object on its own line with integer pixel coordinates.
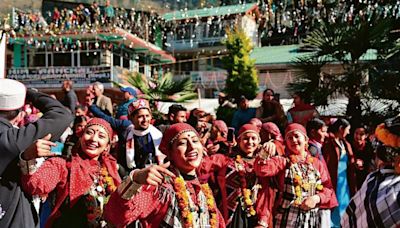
{"type": "Point", "coordinates": [303, 182]}
{"type": "Point", "coordinates": [237, 182]}
{"type": "Point", "coordinates": [82, 183]}
{"type": "Point", "coordinates": [164, 195]}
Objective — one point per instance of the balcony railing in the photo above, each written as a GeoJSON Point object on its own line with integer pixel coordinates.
{"type": "Point", "coordinates": [198, 42]}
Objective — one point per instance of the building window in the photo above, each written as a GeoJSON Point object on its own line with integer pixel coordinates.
{"type": "Point", "coordinates": [39, 60]}
{"type": "Point", "coordinates": [62, 59]}
{"type": "Point", "coordinates": [184, 32]}
{"type": "Point", "coordinates": [89, 58]}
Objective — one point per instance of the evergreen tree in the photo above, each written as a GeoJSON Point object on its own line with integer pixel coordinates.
{"type": "Point", "coordinates": [242, 75]}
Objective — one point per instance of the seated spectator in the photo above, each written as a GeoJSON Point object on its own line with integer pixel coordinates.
{"type": "Point", "coordinates": [244, 114]}
{"type": "Point", "coordinates": [301, 112]}
{"type": "Point", "coordinates": [271, 110]}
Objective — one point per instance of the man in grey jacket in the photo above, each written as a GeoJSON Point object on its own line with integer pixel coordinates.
{"type": "Point", "coordinates": [16, 209]}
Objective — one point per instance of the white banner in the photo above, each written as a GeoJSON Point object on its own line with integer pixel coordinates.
{"type": "Point", "coordinates": [52, 77]}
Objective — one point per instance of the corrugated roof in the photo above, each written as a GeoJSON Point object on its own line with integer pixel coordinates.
{"type": "Point", "coordinates": [287, 54]}
{"type": "Point", "coordinates": [209, 12]}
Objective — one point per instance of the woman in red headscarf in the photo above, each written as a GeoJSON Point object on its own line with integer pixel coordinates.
{"type": "Point", "coordinates": [270, 133]}
{"type": "Point", "coordinates": [238, 184]}
{"type": "Point", "coordinates": [160, 197]}
{"type": "Point", "coordinates": [303, 182]}
{"type": "Point", "coordinates": [82, 182]}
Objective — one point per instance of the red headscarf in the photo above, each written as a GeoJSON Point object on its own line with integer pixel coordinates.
{"type": "Point", "coordinates": [295, 127]}
{"type": "Point", "coordinates": [248, 128]}
{"type": "Point", "coordinates": [271, 128]}
{"type": "Point", "coordinates": [171, 134]}
{"type": "Point", "coordinates": [221, 126]}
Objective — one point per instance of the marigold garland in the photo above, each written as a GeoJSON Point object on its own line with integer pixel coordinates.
{"type": "Point", "coordinates": [386, 137]}
{"type": "Point", "coordinates": [246, 193]}
{"type": "Point", "coordinates": [298, 182]}
{"type": "Point", "coordinates": [183, 203]}
{"type": "Point", "coordinates": [211, 205]}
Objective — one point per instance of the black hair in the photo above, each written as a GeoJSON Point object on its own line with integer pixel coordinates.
{"type": "Point", "coordinates": [341, 122]}
{"type": "Point", "coordinates": [192, 120]}
{"type": "Point", "coordinates": [9, 115]}
{"type": "Point", "coordinates": [175, 108]}
{"type": "Point", "coordinates": [314, 124]}
{"type": "Point", "coordinates": [266, 90]}
{"type": "Point", "coordinates": [83, 107]}
{"type": "Point", "coordinates": [80, 119]}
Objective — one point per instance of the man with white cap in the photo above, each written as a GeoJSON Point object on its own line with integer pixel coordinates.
{"type": "Point", "coordinates": [25, 143]}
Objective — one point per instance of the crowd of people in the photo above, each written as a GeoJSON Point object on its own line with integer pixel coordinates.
{"type": "Point", "coordinates": [71, 163]}
{"type": "Point", "coordinates": [284, 22]}
{"type": "Point", "coordinates": [87, 18]}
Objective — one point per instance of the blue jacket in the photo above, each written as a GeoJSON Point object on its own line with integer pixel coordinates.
{"type": "Point", "coordinates": [241, 117]}
{"type": "Point", "coordinates": [122, 109]}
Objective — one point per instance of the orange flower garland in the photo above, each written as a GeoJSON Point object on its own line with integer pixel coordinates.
{"type": "Point", "coordinates": [183, 203]}
{"type": "Point", "coordinates": [246, 193]}
{"type": "Point", "coordinates": [298, 182]}
{"type": "Point", "coordinates": [107, 180]}
{"type": "Point", "coordinates": [212, 208]}
{"type": "Point", "coordinates": [386, 137]}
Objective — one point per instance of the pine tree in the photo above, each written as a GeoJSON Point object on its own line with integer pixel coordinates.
{"type": "Point", "coordinates": [242, 75]}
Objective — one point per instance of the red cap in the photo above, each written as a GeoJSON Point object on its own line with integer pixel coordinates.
{"type": "Point", "coordinates": [138, 104]}
{"type": "Point", "coordinates": [221, 126]}
{"type": "Point", "coordinates": [295, 127]}
{"type": "Point", "coordinates": [248, 128]}
{"type": "Point", "coordinates": [102, 123]}
{"type": "Point", "coordinates": [271, 128]}
{"type": "Point", "coordinates": [171, 134]}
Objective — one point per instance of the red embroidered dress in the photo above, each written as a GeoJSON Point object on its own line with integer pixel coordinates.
{"type": "Point", "coordinates": [82, 187]}
{"type": "Point", "coordinates": [288, 212]}
{"type": "Point", "coordinates": [230, 181]}
{"type": "Point", "coordinates": [153, 206]}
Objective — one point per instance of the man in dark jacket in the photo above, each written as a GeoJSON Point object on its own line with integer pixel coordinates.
{"type": "Point", "coordinates": [16, 209]}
